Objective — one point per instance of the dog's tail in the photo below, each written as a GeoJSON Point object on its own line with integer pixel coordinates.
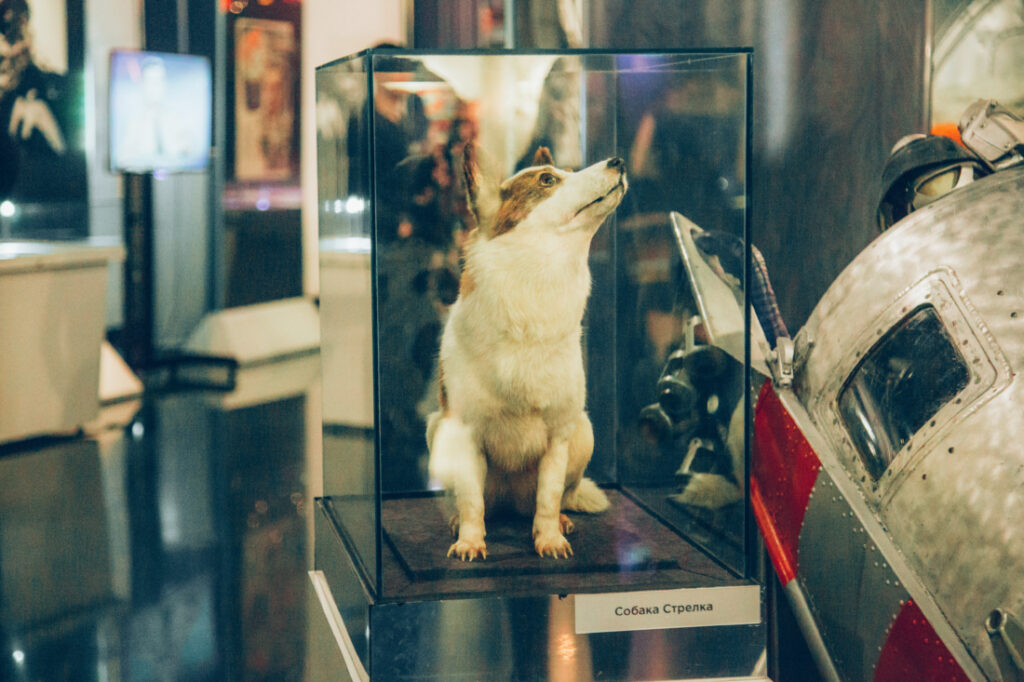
{"type": "Point", "coordinates": [585, 496]}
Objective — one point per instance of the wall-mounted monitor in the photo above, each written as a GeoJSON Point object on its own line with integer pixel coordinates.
{"type": "Point", "coordinates": [160, 112]}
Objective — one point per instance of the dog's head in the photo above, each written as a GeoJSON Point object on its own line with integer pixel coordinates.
{"type": "Point", "coordinates": [543, 199]}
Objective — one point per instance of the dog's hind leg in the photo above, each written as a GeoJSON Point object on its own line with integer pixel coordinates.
{"type": "Point", "coordinates": [582, 494]}
{"type": "Point", "coordinates": [457, 462]}
{"type": "Point", "coordinates": [581, 447]}
{"type": "Point", "coordinates": [547, 531]}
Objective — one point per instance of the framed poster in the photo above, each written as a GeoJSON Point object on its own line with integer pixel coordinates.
{"type": "Point", "coordinates": [265, 112]}
{"type": "Point", "coordinates": [42, 156]}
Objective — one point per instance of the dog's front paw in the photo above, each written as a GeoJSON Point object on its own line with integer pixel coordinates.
{"type": "Point", "coordinates": [553, 545]}
{"type": "Point", "coordinates": [467, 550]}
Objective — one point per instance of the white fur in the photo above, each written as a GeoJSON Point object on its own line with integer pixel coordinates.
{"type": "Point", "coordinates": [712, 491]}
{"type": "Point", "coordinates": [514, 432]}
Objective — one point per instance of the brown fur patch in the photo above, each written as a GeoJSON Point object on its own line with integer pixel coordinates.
{"type": "Point", "coordinates": [520, 196]}
{"type": "Point", "coordinates": [471, 179]}
{"type": "Point", "coordinates": [466, 284]}
{"type": "Point", "coordinates": [442, 391]}
{"type": "Point", "coordinates": [542, 157]}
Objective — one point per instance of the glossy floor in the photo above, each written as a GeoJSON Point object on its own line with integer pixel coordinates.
{"type": "Point", "coordinates": [172, 544]}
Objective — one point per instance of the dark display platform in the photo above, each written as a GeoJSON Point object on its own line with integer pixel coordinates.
{"type": "Point", "coordinates": [626, 547]}
{"type": "Point", "coordinates": [505, 609]}
{"type": "Point", "coordinates": [624, 538]}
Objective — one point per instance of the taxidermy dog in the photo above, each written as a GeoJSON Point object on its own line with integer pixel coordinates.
{"type": "Point", "coordinates": [512, 432]}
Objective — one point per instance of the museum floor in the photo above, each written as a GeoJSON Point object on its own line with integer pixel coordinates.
{"type": "Point", "coordinates": [172, 545]}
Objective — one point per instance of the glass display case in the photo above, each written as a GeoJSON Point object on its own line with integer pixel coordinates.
{"type": "Point", "coordinates": [408, 142]}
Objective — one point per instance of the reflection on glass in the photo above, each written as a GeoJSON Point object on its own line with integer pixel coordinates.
{"type": "Point", "coordinates": [979, 52]}
{"type": "Point", "coordinates": [346, 308]}
{"type": "Point", "coordinates": [902, 383]}
{"type": "Point", "coordinates": [681, 398]}
{"type": "Point", "coordinates": [342, 149]}
{"type": "Point", "coordinates": [392, 169]}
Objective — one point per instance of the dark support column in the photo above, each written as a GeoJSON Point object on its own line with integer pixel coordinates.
{"type": "Point", "coordinates": [160, 20]}
{"type": "Point", "coordinates": [137, 335]}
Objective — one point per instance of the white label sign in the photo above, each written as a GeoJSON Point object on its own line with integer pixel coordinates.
{"type": "Point", "coordinates": [662, 609]}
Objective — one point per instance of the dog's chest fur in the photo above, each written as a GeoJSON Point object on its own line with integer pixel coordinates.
{"type": "Point", "coordinates": [512, 347]}
{"type": "Point", "coordinates": [511, 357]}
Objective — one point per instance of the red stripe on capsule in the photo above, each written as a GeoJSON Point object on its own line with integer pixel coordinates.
{"type": "Point", "coordinates": [777, 552]}
{"type": "Point", "coordinates": [913, 651]}
{"type": "Point", "coordinates": [784, 471]}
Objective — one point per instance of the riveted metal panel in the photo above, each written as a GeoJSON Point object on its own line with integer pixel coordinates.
{"type": "Point", "coordinates": [877, 535]}
{"type": "Point", "coordinates": [854, 591]}
{"type": "Point", "coordinates": [784, 470]}
{"type": "Point", "coordinates": [989, 373]}
{"type": "Point", "coordinates": [970, 232]}
{"type": "Point", "coordinates": [951, 501]}
{"type": "Point", "coordinates": [831, 560]}
{"type": "Point", "coordinates": [914, 651]}
{"type": "Point", "coordinates": [881, 597]}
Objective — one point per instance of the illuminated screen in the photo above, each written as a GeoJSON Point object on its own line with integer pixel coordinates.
{"type": "Point", "coordinates": [160, 111]}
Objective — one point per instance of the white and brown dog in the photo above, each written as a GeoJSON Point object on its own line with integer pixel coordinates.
{"type": "Point", "coordinates": [511, 431]}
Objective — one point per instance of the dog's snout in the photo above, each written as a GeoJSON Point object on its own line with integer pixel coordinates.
{"type": "Point", "coordinates": [617, 163]}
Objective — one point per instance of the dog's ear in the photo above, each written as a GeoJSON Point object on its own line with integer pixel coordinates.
{"type": "Point", "coordinates": [543, 157]}
{"type": "Point", "coordinates": [482, 195]}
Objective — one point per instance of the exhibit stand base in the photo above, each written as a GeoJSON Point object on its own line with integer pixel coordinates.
{"type": "Point", "coordinates": [331, 656]}
{"type": "Point", "coordinates": [117, 380]}
{"type": "Point", "coordinates": [514, 617]}
{"type": "Point", "coordinates": [52, 315]}
{"type": "Point", "coordinates": [258, 333]}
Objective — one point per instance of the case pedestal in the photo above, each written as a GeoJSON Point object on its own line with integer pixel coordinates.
{"type": "Point", "coordinates": [258, 333]}
{"type": "Point", "coordinates": [539, 626]}
{"type": "Point", "coordinates": [52, 302]}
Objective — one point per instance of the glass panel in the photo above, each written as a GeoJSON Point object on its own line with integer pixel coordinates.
{"type": "Point", "coordinates": [679, 124]}
{"type": "Point", "coordinates": [346, 312]}
{"type": "Point", "coordinates": [901, 384]}
{"type": "Point", "coordinates": [420, 123]}
{"type": "Point", "coordinates": [681, 397]}
{"type": "Point", "coordinates": [979, 52]}
{"type": "Point", "coordinates": [428, 109]}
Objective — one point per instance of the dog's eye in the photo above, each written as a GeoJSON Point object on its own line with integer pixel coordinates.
{"type": "Point", "coordinates": [547, 179]}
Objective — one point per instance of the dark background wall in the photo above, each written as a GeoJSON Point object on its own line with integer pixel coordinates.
{"type": "Point", "coordinates": [836, 84]}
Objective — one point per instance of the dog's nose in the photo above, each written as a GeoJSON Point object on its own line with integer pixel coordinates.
{"type": "Point", "coordinates": [616, 163]}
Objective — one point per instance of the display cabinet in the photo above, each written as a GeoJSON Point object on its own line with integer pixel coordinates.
{"type": "Point", "coordinates": [668, 565]}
